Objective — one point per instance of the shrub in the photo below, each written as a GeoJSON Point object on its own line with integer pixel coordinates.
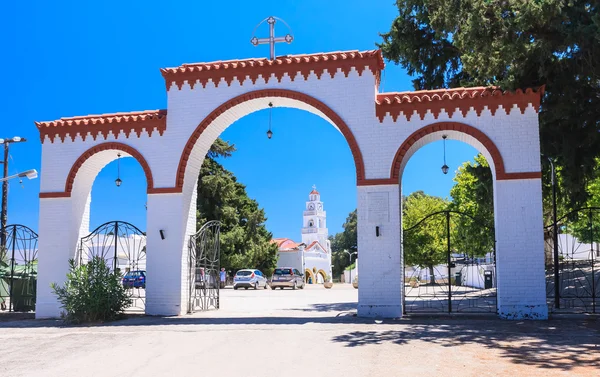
{"type": "Point", "coordinates": [91, 293]}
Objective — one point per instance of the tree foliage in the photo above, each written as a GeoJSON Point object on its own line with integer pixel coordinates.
{"type": "Point", "coordinates": [345, 240]}
{"type": "Point", "coordinates": [245, 241]}
{"type": "Point", "coordinates": [513, 44]}
{"type": "Point", "coordinates": [425, 241]}
{"type": "Point", "coordinates": [585, 224]}
{"type": "Point", "coordinates": [472, 194]}
{"type": "Point", "coordinates": [92, 293]}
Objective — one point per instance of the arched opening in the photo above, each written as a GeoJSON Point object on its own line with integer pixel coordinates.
{"type": "Point", "coordinates": [448, 240]}
{"type": "Point", "coordinates": [309, 277]}
{"type": "Point", "coordinates": [250, 111]}
{"type": "Point", "coordinates": [321, 277]}
{"type": "Point", "coordinates": [108, 185]}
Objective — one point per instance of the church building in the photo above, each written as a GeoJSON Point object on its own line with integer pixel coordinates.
{"type": "Point", "coordinates": [312, 255]}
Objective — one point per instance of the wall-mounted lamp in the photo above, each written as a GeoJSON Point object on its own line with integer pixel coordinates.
{"type": "Point", "coordinates": [162, 234]}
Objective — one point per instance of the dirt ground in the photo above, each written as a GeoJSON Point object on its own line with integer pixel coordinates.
{"type": "Point", "coordinates": [312, 332]}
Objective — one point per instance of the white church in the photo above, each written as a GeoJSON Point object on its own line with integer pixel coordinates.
{"type": "Point", "coordinates": [313, 254]}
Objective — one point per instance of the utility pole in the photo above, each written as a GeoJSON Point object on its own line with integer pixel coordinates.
{"type": "Point", "coordinates": [4, 212]}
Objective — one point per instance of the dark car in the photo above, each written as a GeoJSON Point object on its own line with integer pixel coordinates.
{"type": "Point", "coordinates": [134, 279]}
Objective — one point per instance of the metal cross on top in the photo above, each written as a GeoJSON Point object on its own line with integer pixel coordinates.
{"type": "Point", "coordinates": [272, 39]}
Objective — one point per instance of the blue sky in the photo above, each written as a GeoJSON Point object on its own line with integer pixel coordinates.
{"type": "Point", "coordinates": [67, 58]}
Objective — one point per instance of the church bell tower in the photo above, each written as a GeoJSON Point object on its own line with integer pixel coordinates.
{"type": "Point", "coordinates": [315, 223]}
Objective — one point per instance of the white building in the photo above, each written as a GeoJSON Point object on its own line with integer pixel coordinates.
{"type": "Point", "coordinates": [313, 254]}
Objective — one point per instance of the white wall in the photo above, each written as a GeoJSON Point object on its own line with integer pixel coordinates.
{"type": "Point", "coordinates": [290, 259]}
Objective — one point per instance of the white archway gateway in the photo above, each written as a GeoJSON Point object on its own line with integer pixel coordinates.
{"type": "Point", "coordinates": [382, 129]}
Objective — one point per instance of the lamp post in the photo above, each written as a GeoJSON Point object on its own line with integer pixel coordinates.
{"type": "Point", "coordinates": [350, 254]}
{"type": "Point", "coordinates": [29, 174]}
{"type": "Point", "coordinates": [5, 178]}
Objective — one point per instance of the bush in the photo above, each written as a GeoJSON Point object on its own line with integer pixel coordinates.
{"type": "Point", "coordinates": [92, 293]}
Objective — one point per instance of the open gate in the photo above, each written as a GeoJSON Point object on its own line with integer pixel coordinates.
{"type": "Point", "coordinates": [123, 247]}
{"type": "Point", "coordinates": [573, 262]}
{"type": "Point", "coordinates": [204, 263]}
{"type": "Point", "coordinates": [449, 265]}
{"type": "Point", "coordinates": [18, 269]}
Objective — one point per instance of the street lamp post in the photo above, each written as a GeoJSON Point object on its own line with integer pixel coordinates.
{"type": "Point", "coordinates": [5, 178]}
{"type": "Point", "coordinates": [350, 254]}
{"type": "Point", "coordinates": [555, 238]}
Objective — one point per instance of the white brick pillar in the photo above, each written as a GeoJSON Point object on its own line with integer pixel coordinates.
{"type": "Point", "coordinates": [167, 259]}
{"type": "Point", "coordinates": [380, 280]}
{"type": "Point", "coordinates": [520, 249]}
{"type": "Point", "coordinates": [58, 236]}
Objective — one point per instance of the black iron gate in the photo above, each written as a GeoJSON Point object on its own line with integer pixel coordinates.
{"type": "Point", "coordinates": [123, 247]}
{"type": "Point", "coordinates": [449, 264]}
{"type": "Point", "coordinates": [573, 262]}
{"type": "Point", "coordinates": [18, 269]}
{"type": "Point", "coordinates": [204, 249]}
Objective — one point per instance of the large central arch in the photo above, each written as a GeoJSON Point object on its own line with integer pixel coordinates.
{"type": "Point", "coordinates": [244, 104]}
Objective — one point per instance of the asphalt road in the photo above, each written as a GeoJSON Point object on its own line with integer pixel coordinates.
{"type": "Point", "coordinates": [310, 332]}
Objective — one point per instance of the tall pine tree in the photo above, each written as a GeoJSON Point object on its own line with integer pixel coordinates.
{"type": "Point", "coordinates": [245, 241]}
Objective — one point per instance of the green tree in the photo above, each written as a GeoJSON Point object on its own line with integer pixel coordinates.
{"type": "Point", "coordinates": [424, 245]}
{"type": "Point", "coordinates": [513, 44]}
{"type": "Point", "coordinates": [473, 195]}
{"type": "Point", "coordinates": [92, 292]}
{"type": "Point", "coordinates": [245, 241]}
{"type": "Point", "coordinates": [345, 240]}
{"type": "Point", "coordinates": [585, 224]}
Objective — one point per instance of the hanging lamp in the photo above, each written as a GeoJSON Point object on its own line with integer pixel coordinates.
{"type": "Point", "coordinates": [118, 180]}
{"type": "Point", "coordinates": [445, 167]}
{"type": "Point", "coordinates": [269, 132]}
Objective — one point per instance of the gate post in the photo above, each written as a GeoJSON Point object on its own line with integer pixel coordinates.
{"type": "Point", "coordinates": [167, 287]}
{"type": "Point", "coordinates": [520, 249]}
{"type": "Point", "coordinates": [58, 240]}
{"type": "Point", "coordinates": [381, 280]}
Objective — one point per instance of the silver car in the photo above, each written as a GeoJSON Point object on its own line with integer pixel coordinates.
{"type": "Point", "coordinates": [249, 279]}
{"type": "Point", "coordinates": [287, 277]}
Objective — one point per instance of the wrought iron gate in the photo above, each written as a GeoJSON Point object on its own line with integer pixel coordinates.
{"type": "Point", "coordinates": [573, 281]}
{"type": "Point", "coordinates": [18, 269]}
{"type": "Point", "coordinates": [449, 265]}
{"type": "Point", "coordinates": [204, 268]}
{"type": "Point", "coordinates": [123, 247]}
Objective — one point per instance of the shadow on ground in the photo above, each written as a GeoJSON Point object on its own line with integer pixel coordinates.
{"type": "Point", "coordinates": [330, 307]}
{"type": "Point", "coordinates": [561, 344]}
{"type": "Point", "coordinates": [555, 344]}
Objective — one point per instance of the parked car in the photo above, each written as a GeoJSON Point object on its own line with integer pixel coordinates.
{"type": "Point", "coordinates": [134, 279]}
{"type": "Point", "coordinates": [249, 279]}
{"type": "Point", "coordinates": [287, 277]}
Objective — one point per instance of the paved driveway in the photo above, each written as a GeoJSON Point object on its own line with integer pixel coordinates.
{"type": "Point", "coordinates": [310, 332]}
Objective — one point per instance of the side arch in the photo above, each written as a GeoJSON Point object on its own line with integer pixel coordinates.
{"type": "Point", "coordinates": [312, 102]}
{"type": "Point", "coordinates": [492, 150]}
{"type": "Point", "coordinates": [129, 150]}
{"type": "Point", "coordinates": [310, 274]}
{"type": "Point", "coordinates": [323, 275]}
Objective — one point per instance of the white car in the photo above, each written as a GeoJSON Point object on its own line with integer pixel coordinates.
{"type": "Point", "coordinates": [249, 279]}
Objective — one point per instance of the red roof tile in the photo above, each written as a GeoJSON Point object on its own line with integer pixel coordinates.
{"type": "Point", "coordinates": [289, 64]}
{"type": "Point", "coordinates": [450, 99]}
{"type": "Point", "coordinates": [137, 121]}
{"type": "Point", "coordinates": [313, 244]}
